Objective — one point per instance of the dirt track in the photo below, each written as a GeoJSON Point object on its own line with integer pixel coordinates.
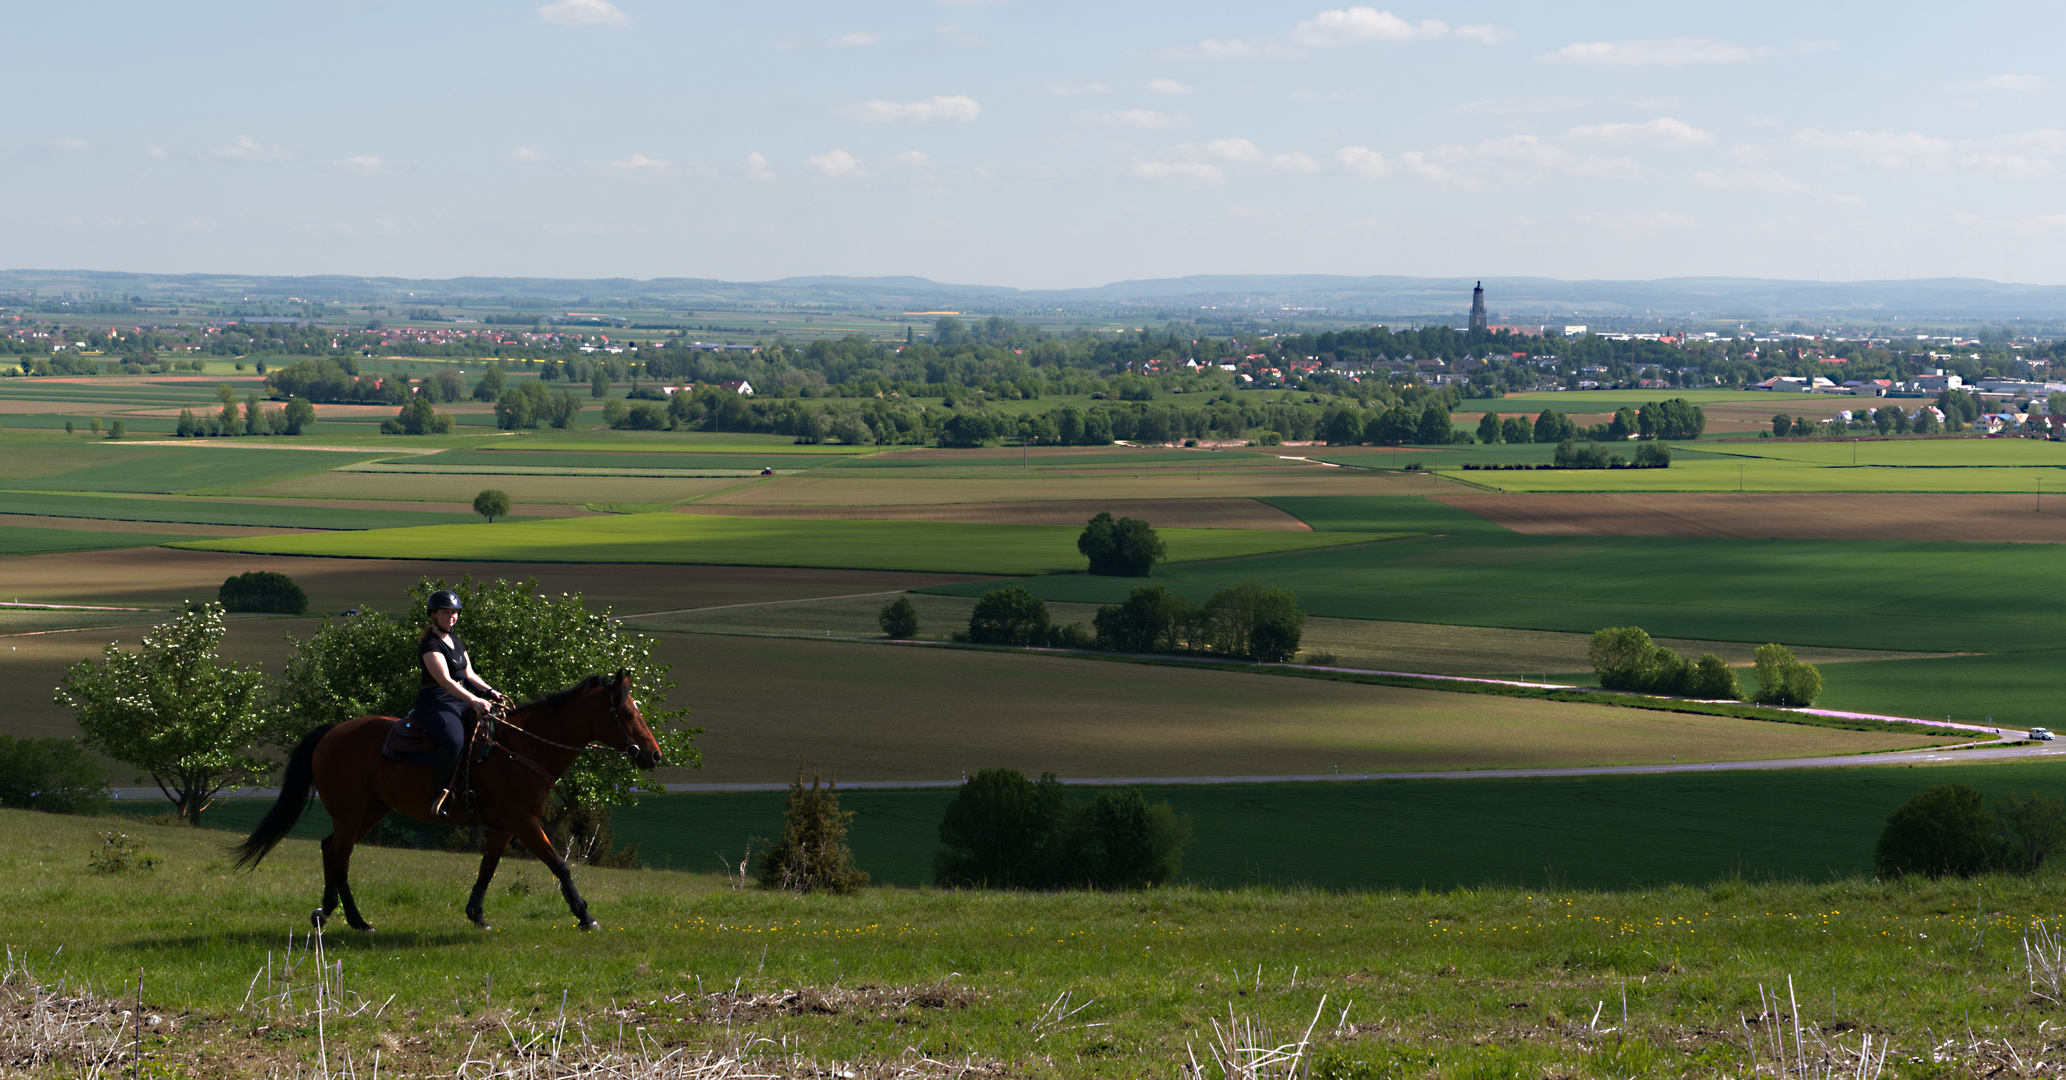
{"type": "Point", "coordinates": [1826, 516]}
{"type": "Point", "coordinates": [1164, 513]}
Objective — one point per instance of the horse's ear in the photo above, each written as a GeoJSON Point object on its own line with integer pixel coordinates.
{"type": "Point", "coordinates": [623, 677]}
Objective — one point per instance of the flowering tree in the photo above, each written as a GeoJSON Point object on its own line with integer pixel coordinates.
{"type": "Point", "coordinates": [172, 709]}
{"type": "Point", "coordinates": [525, 644]}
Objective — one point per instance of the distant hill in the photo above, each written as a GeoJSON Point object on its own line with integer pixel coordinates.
{"type": "Point", "coordinates": [1510, 298]}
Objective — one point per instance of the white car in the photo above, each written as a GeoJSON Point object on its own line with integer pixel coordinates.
{"type": "Point", "coordinates": [2041, 734]}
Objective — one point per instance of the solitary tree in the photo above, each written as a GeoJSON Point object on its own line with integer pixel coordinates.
{"type": "Point", "coordinates": [262, 590]}
{"type": "Point", "coordinates": [491, 503]}
{"type": "Point", "coordinates": [898, 619]}
{"type": "Point", "coordinates": [1124, 548]}
{"type": "Point", "coordinates": [172, 709]}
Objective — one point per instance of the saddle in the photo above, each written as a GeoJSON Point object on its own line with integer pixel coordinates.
{"type": "Point", "coordinates": [407, 742]}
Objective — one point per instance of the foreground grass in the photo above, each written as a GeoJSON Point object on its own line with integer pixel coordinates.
{"type": "Point", "coordinates": [1480, 982]}
{"type": "Point", "coordinates": [948, 546]}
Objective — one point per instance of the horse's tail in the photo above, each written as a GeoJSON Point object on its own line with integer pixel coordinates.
{"type": "Point", "coordinates": [294, 788]}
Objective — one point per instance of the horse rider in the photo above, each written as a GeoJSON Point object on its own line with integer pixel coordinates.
{"type": "Point", "coordinates": [450, 688]}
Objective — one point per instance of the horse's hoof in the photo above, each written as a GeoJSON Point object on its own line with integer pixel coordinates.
{"type": "Point", "coordinates": [589, 924]}
{"type": "Point", "coordinates": [365, 928]}
{"type": "Point", "coordinates": [317, 918]}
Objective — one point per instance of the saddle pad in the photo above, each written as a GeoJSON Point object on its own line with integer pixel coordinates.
{"type": "Point", "coordinates": [404, 743]}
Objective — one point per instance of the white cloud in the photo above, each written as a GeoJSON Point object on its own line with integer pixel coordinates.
{"type": "Point", "coordinates": [1750, 180]}
{"type": "Point", "coordinates": [364, 165]}
{"type": "Point", "coordinates": [583, 13]}
{"type": "Point", "coordinates": [1331, 29]}
{"type": "Point", "coordinates": [2019, 227]}
{"type": "Point", "coordinates": [917, 163]}
{"type": "Point", "coordinates": [836, 165]}
{"type": "Point", "coordinates": [245, 148]}
{"type": "Point", "coordinates": [756, 168]}
{"type": "Point", "coordinates": [958, 110]}
{"type": "Point", "coordinates": [1170, 86]}
{"type": "Point", "coordinates": [1364, 162]}
{"type": "Point", "coordinates": [1900, 151]}
{"type": "Point", "coordinates": [1524, 106]}
{"type": "Point", "coordinates": [158, 152]}
{"type": "Point", "coordinates": [1246, 152]}
{"type": "Point", "coordinates": [1516, 159]}
{"type": "Point", "coordinates": [2007, 166]}
{"type": "Point", "coordinates": [1069, 89]}
{"type": "Point", "coordinates": [641, 163]}
{"type": "Point", "coordinates": [2023, 84]}
{"type": "Point", "coordinates": [1485, 35]}
{"type": "Point", "coordinates": [1749, 154]}
{"type": "Point", "coordinates": [1659, 220]}
{"type": "Point", "coordinates": [73, 144]}
{"type": "Point", "coordinates": [1347, 26]}
{"type": "Point", "coordinates": [527, 154]}
{"type": "Point", "coordinates": [1663, 131]}
{"type": "Point", "coordinates": [1187, 173]}
{"type": "Point", "coordinates": [961, 37]}
{"type": "Point", "coordinates": [1655, 52]}
{"type": "Point", "coordinates": [1847, 200]}
{"type": "Point", "coordinates": [1141, 118]}
{"type": "Point", "coordinates": [859, 39]}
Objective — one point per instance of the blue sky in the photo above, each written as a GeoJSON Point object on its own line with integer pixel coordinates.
{"type": "Point", "coordinates": [1050, 144]}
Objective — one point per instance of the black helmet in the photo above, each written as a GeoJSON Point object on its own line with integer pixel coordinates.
{"type": "Point", "coordinates": [444, 600]}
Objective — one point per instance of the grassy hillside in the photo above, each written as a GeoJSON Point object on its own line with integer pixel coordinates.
{"type": "Point", "coordinates": [1504, 982]}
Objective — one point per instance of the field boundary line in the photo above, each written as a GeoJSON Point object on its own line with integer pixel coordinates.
{"type": "Point", "coordinates": [769, 603]}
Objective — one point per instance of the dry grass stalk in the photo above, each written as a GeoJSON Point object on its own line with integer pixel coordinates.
{"type": "Point", "coordinates": [1245, 1050]}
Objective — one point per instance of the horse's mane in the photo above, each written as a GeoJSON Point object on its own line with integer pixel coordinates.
{"type": "Point", "coordinates": [560, 699]}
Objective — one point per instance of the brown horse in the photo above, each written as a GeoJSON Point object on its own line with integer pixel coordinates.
{"type": "Point", "coordinates": [532, 747]}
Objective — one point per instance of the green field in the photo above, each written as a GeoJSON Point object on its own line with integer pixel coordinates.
{"type": "Point", "coordinates": [20, 540]}
{"type": "Point", "coordinates": [173, 469]}
{"type": "Point", "coordinates": [285, 515]}
{"type": "Point", "coordinates": [2013, 688]}
{"type": "Point", "coordinates": [530, 458]}
{"type": "Point", "coordinates": [946, 547]}
{"type": "Point", "coordinates": [1910, 596]}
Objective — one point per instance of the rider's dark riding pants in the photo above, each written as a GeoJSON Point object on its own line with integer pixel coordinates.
{"type": "Point", "coordinates": [444, 720]}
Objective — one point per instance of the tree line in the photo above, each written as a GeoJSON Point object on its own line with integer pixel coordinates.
{"type": "Point", "coordinates": [1625, 658]}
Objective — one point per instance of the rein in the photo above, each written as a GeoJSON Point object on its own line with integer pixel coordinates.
{"type": "Point", "coordinates": [502, 717]}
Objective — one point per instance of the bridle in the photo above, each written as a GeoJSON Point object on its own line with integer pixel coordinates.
{"type": "Point", "coordinates": [500, 715]}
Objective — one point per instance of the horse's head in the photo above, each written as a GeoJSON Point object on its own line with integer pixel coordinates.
{"type": "Point", "coordinates": [631, 735]}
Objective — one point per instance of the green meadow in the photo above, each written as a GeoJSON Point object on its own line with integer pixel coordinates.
{"type": "Point", "coordinates": [171, 469]}
{"type": "Point", "coordinates": [187, 509]}
{"type": "Point", "coordinates": [1595, 832]}
{"type": "Point", "coordinates": [21, 540]}
{"type": "Point", "coordinates": [938, 546]}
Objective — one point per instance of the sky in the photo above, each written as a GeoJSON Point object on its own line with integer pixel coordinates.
{"type": "Point", "coordinates": [1048, 144]}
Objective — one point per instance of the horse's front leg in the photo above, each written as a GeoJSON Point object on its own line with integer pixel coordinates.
{"type": "Point", "coordinates": [492, 845]}
{"type": "Point", "coordinates": [535, 840]}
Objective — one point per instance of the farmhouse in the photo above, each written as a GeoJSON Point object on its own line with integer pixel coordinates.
{"type": "Point", "coordinates": [737, 386]}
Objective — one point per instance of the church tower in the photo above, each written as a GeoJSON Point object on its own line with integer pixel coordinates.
{"type": "Point", "coordinates": [1478, 307]}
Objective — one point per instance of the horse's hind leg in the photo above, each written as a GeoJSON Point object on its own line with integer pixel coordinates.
{"type": "Point", "coordinates": [331, 876]}
{"type": "Point", "coordinates": [367, 822]}
{"type": "Point", "coordinates": [535, 839]}
{"type": "Point", "coordinates": [492, 846]}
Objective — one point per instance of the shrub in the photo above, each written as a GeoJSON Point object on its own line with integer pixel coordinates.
{"type": "Point", "coordinates": [1002, 831]}
{"type": "Point", "coordinates": [1254, 623]}
{"type": "Point", "coordinates": [812, 855]}
{"type": "Point", "coordinates": [263, 590]}
{"type": "Point", "coordinates": [898, 619]}
{"type": "Point", "coordinates": [1147, 622]}
{"type": "Point", "coordinates": [1944, 830]}
{"type": "Point", "coordinates": [53, 775]}
{"type": "Point", "coordinates": [1123, 548]}
{"type": "Point", "coordinates": [1714, 680]}
{"type": "Point", "coordinates": [1008, 616]}
{"type": "Point", "coordinates": [1783, 680]}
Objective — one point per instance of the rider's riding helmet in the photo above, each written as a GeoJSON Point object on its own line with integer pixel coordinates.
{"type": "Point", "coordinates": [444, 600]}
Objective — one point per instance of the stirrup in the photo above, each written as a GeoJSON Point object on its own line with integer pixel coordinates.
{"type": "Point", "coordinates": [441, 808]}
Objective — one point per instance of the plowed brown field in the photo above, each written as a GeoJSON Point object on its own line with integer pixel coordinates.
{"type": "Point", "coordinates": [1165, 513]}
{"type": "Point", "coordinates": [1834, 516]}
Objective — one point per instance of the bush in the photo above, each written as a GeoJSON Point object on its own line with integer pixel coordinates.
{"type": "Point", "coordinates": [812, 855]}
{"type": "Point", "coordinates": [56, 776]}
{"type": "Point", "coordinates": [1783, 680]}
{"type": "Point", "coordinates": [1123, 548]}
{"type": "Point", "coordinates": [1944, 830]}
{"type": "Point", "coordinates": [1002, 831]}
{"type": "Point", "coordinates": [263, 590]}
{"type": "Point", "coordinates": [1714, 680]}
{"type": "Point", "coordinates": [1008, 616]}
{"type": "Point", "coordinates": [898, 619]}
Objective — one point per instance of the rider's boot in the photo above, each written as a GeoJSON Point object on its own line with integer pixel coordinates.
{"type": "Point", "coordinates": [441, 801]}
